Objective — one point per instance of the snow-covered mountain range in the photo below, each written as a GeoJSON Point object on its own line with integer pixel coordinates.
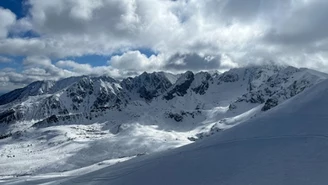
{"type": "Point", "coordinates": [82, 123]}
{"type": "Point", "coordinates": [287, 145]}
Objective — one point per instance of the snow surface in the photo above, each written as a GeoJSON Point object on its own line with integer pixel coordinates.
{"type": "Point", "coordinates": [288, 145]}
{"type": "Point", "coordinates": [86, 139]}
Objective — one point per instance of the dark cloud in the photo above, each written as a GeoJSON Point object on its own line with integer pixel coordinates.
{"type": "Point", "coordinates": [185, 35]}
{"type": "Point", "coordinates": [81, 17]}
{"type": "Point", "coordinates": [303, 27]}
{"type": "Point", "coordinates": [241, 9]}
{"type": "Point", "coordinates": [193, 62]}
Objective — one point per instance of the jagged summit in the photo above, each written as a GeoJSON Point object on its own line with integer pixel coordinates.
{"type": "Point", "coordinates": [138, 115]}
{"type": "Point", "coordinates": [37, 88]}
{"type": "Point", "coordinates": [147, 85]}
{"type": "Point", "coordinates": [88, 96]}
{"type": "Point", "coordinates": [286, 146]}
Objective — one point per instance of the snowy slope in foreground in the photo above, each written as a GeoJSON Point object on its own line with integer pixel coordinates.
{"type": "Point", "coordinates": [288, 145]}
{"type": "Point", "coordinates": [98, 121]}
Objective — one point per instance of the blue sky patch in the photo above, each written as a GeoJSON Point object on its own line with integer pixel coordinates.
{"type": "Point", "coordinates": [19, 7]}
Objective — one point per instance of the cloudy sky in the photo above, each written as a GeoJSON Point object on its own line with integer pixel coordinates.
{"type": "Point", "coordinates": [52, 39]}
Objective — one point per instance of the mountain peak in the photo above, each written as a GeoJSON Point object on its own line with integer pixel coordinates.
{"type": "Point", "coordinates": [138, 113]}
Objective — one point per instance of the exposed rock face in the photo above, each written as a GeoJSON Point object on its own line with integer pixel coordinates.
{"type": "Point", "coordinates": [270, 103]}
{"type": "Point", "coordinates": [34, 89]}
{"type": "Point", "coordinates": [181, 87]}
{"type": "Point", "coordinates": [226, 77]}
{"type": "Point", "coordinates": [147, 85]}
{"type": "Point", "coordinates": [52, 120]}
{"type": "Point", "coordinates": [178, 117]}
{"type": "Point", "coordinates": [9, 116]}
{"type": "Point", "coordinates": [281, 85]}
{"type": "Point", "coordinates": [37, 88]}
{"type": "Point", "coordinates": [88, 98]}
{"type": "Point", "coordinates": [201, 83]}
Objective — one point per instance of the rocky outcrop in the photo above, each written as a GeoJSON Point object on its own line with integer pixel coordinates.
{"type": "Point", "coordinates": [92, 97]}
{"type": "Point", "coordinates": [181, 87]}
{"type": "Point", "coordinates": [147, 85]}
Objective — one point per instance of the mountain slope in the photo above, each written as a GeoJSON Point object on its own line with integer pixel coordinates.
{"type": "Point", "coordinates": [86, 121]}
{"type": "Point", "coordinates": [147, 86]}
{"type": "Point", "coordinates": [37, 88]}
{"type": "Point", "coordinates": [285, 146]}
